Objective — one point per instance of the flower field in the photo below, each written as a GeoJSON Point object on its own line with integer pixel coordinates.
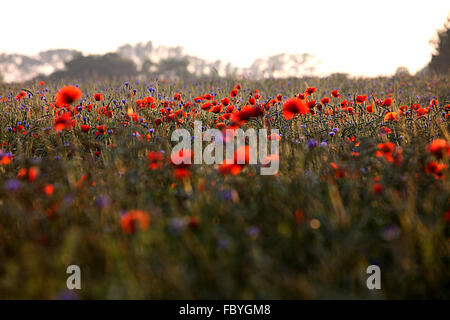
{"type": "Point", "coordinates": [86, 178]}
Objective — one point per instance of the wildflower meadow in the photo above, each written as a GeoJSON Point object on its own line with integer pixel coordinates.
{"type": "Point", "coordinates": [88, 177]}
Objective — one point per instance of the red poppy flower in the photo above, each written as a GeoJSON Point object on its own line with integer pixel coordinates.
{"type": "Point", "coordinates": [361, 99]}
{"type": "Point", "coordinates": [391, 116]}
{"type": "Point", "coordinates": [194, 222]}
{"type": "Point", "coordinates": [403, 109]}
{"type": "Point", "coordinates": [148, 101]}
{"type": "Point", "coordinates": [310, 90]}
{"type": "Point", "coordinates": [63, 122]}
{"type": "Point", "coordinates": [5, 158]}
{"type": "Point", "coordinates": [228, 167]}
{"type": "Point", "coordinates": [177, 96]}
{"type": "Point", "coordinates": [154, 159]}
{"type": "Point", "coordinates": [378, 188]}
{"type": "Point", "coordinates": [447, 216]}
{"type": "Point", "coordinates": [439, 147]}
{"type": "Point", "coordinates": [49, 189]}
{"type": "Point", "coordinates": [422, 111]}
{"type": "Point", "coordinates": [85, 128]}
{"type": "Point", "coordinates": [30, 173]}
{"type": "Point", "coordinates": [246, 113]}
{"type": "Point", "coordinates": [181, 173]}
{"type": "Point", "coordinates": [386, 150]}
{"type": "Point", "coordinates": [325, 100]}
{"type": "Point", "coordinates": [293, 106]}
{"type": "Point", "coordinates": [387, 102]}
{"type": "Point", "coordinates": [302, 96]}
{"type": "Point", "coordinates": [398, 156]}
{"type": "Point", "coordinates": [299, 216]}
{"type": "Point", "coordinates": [234, 166]}
{"type": "Point", "coordinates": [128, 221]}
{"type": "Point", "coordinates": [436, 169]}
{"type": "Point", "coordinates": [387, 147]}
{"type": "Point", "coordinates": [67, 95]}
{"type": "Point", "coordinates": [108, 113]}
{"type": "Point", "coordinates": [216, 109]}
{"type": "Point", "coordinates": [335, 94]}
{"type": "Point", "coordinates": [206, 106]}
{"type": "Point", "coordinates": [98, 97]}
{"type": "Point", "coordinates": [338, 173]}
{"type": "Point", "coordinates": [180, 113]}
{"type": "Point", "coordinates": [33, 172]}
{"type": "Point", "coordinates": [369, 108]}
{"type": "Point", "coordinates": [234, 93]}
{"type": "Point", "coordinates": [225, 101]}
{"type": "Point", "coordinates": [21, 95]}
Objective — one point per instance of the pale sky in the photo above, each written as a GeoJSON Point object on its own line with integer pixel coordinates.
{"type": "Point", "coordinates": [358, 37]}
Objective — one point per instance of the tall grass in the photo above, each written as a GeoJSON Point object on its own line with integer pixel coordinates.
{"type": "Point", "coordinates": [308, 232]}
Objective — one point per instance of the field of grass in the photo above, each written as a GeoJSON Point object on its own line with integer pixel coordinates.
{"type": "Point", "coordinates": [357, 186]}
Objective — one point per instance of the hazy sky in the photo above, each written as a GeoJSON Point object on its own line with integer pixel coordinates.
{"type": "Point", "coordinates": [359, 37]}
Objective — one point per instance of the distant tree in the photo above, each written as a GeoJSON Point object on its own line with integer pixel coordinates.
{"type": "Point", "coordinates": [148, 67]}
{"type": "Point", "coordinates": [339, 76]}
{"type": "Point", "coordinates": [110, 65]}
{"type": "Point", "coordinates": [402, 71]}
{"type": "Point", "coordinates": [173, 67]}
{"type": "Point", "coordinates": [1, 78]}
{"type": "Point", "coordinates": [440, 61]}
